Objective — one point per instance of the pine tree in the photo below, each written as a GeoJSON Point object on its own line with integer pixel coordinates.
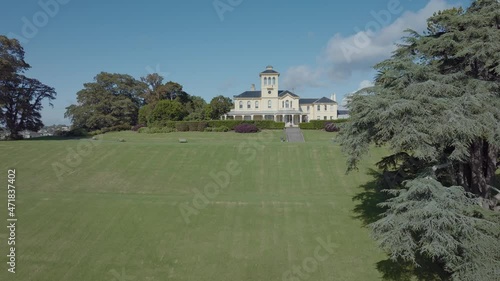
{"type": "Point", "coordinates": [436, 105]}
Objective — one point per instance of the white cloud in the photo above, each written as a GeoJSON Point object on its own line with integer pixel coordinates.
{"type": "Point", "coordinates": [301, 76]}
{"type": "Point", "coordinates": [373, 43]}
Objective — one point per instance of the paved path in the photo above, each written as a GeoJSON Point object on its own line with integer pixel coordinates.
{"type": "Point", "coordinates": [294, 135]}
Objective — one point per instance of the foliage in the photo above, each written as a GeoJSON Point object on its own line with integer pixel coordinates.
{"type": "Point", "coordinates": [196, 108]}
{"type": "Point", "coordinates": [20, 97]}
{"type": "Point", "coordinates": [331, 127]}
{"type": "Point", "coordinates": [73, 133]}
{"type": "Point", "coordinates": [443, 224]}
{"type": "Point", "coordinates": [138, 127]}
{"type": "Point", "coordinates": [219, 106]}
{"type": "Point", "coordinates": [320, 124]}
{"type": "Point", "coordinates": [217, 129]}
{"type": "Point", "coordinates": [261, 124]}
{"type": "Point", "coordinates": [167, 110]}
{"type": "Point", "coordinates": [438, 98]}
{"type": "Point", "coordinates": [146, 130]}
{"type": "Point", "coordinates": [246, 128]}
{"type": "Point", "coordinates": [111, 100]}
{"type": "Point", "coordinates": [145, 114]}
{"type": "Point", "coordinates": [436, 105]}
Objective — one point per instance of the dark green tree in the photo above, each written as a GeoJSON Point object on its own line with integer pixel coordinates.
{"type": "Point", "coordinates": [196, 108]}
{"type": "Point", "coordinates": [111, 100]}
{"type": "Point", "coordinates": [20, 97]}
{"type": "Point", "coordinates": [436, 105]}
{"type": "Point", "coordinates": [167, 110]}
{"type": "Point", "coordinates": [219, 106]}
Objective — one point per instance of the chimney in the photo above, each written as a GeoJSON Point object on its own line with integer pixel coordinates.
{"type": "Point", "coordinates": [334, 97]}
{"type": "Point", "coordinates": [253, 87]}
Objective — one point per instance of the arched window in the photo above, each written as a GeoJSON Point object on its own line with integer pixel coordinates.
{"type": "Point", "coordinates": [241, 104]}
{"type": "Point", "coordinates": [265, 80]}
{"type": "Point", "coordinates": [249, 104]}
{"type": "Point", "coordinates": [287, 104]}
{"type": "Point", "coordinates": [274, 80]}
{"type": "Point", "coordinates": [269, 104]}
{"type": "Point", "coordinates": [291, 104]}
{"type": "Point", "coordinates": [257, 104]}
{"type": "Point", "coordinates": [283, 104]}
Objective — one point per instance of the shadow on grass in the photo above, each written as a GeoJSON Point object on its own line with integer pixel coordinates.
{"type": "Point", "coordinates": [367, 210]}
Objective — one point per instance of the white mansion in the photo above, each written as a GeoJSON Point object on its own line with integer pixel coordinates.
{"type": "Point", "coordinates": [270, 103]}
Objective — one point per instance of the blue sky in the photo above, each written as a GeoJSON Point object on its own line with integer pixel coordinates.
{"type": "Point", "coordinates": [210, 47]}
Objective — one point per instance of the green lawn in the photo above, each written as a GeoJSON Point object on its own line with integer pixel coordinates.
{"type": "Point", "coordinates": [122, 211]}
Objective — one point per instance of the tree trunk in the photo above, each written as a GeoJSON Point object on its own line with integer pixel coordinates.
{"type": "Point", "coordinates": [482, 166]}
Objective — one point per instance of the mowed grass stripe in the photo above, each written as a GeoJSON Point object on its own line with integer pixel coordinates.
{"type": "Point", "coordinates": [119, 210]}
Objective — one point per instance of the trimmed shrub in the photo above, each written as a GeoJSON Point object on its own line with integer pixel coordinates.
{"type": "Point", "coordinates": [221, 129]}
{"type": "Point", "coordinates": [261, 124]}
{"type": "Point", "coordinates": [182, 127]}
{"type": "Point", "coordinates": [320, 124]}
{"type": "Point", "coordinates": [246, 128]}
{"type": "Point", "coordinates": [331, 127]}
{"type": "Point", "coordinates": [137, 127]}
{"type": "Point", "coordinates": [146, 130]}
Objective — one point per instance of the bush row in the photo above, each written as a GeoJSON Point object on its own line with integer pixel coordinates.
{"type": "Point", "coordinates": [164, 130]}
{"type": "Point", "coordinates": [320, 124]}
{"type": "Point", "coordinates": [261, 124]}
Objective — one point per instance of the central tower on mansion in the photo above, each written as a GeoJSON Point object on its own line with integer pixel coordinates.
{"type": "Point", "coordinates": [270, 103]}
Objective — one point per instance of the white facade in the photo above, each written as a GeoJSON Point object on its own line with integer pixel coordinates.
{"type": "Point", "coordinates": [270, 103]}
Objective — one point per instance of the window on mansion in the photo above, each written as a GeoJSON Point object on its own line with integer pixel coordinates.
{"type": "Point", "coordinates": [319, 107]}
{"type": "Point", "coordinates": [269, 104]}
{"type": "Point", "coordinates": [241, 104]}
{"type": "Point", "coordinates": [265, 80]}
{"type": "Point", "coordinates": [249, 105]}
{"type": "Point", "coordinates": [257, 104]}
{"type": "Point", "coordinates": [326, 107]}
{"type": "Point", "coordinates": [287, 104]}
{"type": "Point", "coordinates": [274, 80]}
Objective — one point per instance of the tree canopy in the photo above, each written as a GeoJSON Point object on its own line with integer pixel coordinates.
{"type": "Point", "coordinates": [20, 97]}
{"type": "Point", "coordinates": [111, 100]}
{"type": "Point", "coordinates": [219, 106]}
{"type": "Point", "coordinates": [436, 105]}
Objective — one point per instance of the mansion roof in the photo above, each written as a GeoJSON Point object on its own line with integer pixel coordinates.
{"type": "Point", "coordinates": [258, 94]}
{"type": "Point", "coordinates": [281, 93]}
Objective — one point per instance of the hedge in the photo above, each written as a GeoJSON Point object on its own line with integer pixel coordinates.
{"type": "Point", "coordinates": [261, 124]}
{"type": "Point", "coordinates": [320, 124]}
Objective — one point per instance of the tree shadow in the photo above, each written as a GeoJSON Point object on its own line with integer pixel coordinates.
{"type": "Point", "coordinates": [367, 210]}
